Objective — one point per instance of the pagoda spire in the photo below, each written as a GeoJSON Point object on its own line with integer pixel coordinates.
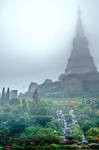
{"type": "Point", "coordinates": [79, 28]}
{"type": "Point", "coordinates": [80, 61]}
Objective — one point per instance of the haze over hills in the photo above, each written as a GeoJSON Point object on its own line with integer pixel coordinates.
{"type": "Point", "coordinates": [49, 74]}
{"type": "Point", "coordinates": [80, 75]}
{"type": "Point", "coordinates": [30, 39]}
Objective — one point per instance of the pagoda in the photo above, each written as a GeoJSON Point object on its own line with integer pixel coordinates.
{"type": "Point", "coordinates": [80, 73]}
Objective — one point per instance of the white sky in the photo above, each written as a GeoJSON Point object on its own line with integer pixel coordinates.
{"type": "Point", "coordinates": [36, 38]}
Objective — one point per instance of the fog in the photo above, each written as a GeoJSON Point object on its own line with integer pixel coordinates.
{"type": "Point", "coordinates": [36, 38]}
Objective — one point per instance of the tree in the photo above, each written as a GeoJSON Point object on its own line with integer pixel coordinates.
{"type": "Point", "coordinates": [76, 132]}
{"type": "Point", "coordinates": [42, 120]}
{"type": "Point", "coordinates": [7, 96]}
{"type": "Point", "coordinates": [36, 96]}
{"type": "Point", "coordinates": [3, 95]}
{"type": "Point", "coordinates": [14, 101]}
{"type": "Point", "coordinates": [93, 135]}
{"type": "Point", "coordinates": [24, 104]}
{"type": "Point", "coordinates": [93, 132]}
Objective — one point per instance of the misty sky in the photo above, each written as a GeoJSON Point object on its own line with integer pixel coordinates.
{"type": "Point", "coordinates": [36, 38]}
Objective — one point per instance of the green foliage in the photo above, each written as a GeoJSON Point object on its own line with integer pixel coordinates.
{"type": "Point", "coordinates": [68, 118]}
{"type": "Point", "coordinates": [2, 100]}
{"type": "Point", "coordinates": [14, 101]}
{"type": "Point", "coordinates": [18, 147]}
{"type": "Point", "coordinates": [1, 147]}
{"type": "Point", "coordinates": [54, 125]}
{"type": "Point", "coordinates": [93, 139]}
{"type": "Point", "coordinates": [39, 137]}
{"type": "Point", "coordinates": [55, 146]}
{"type": "Point", "coordinates": [32, 130]}
{"type": "Point", "coordinates": [7, 95]}
{"type": "Point", "coordinates": [29, 130]}
{"type": "Point", "coordinates": [42, 120]}
{"type": "Point", "coordinates": [33, 122]}
{"type": "Point", "coordinates": [86, 118]}
{"type": "Point", "coordinates": [69, 137]}
{"type": "Point", "coordinates": [93, 132]}
{"type": "Point", "coordinates": [47, 137]}
{"type": "Point", "coordinates": [36, 97]}
{"type": "Point", "coordinates": [76, 132]}
{"type": "Point", "coordinates": [17, 126]}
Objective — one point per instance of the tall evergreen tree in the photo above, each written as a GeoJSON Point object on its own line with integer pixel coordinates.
{"type": "Point", "coordinates": [3, 95]}
{"type": "Point", "coordinates": [7, 95]}
{"type": "Point", "coordinates": [36, 96]}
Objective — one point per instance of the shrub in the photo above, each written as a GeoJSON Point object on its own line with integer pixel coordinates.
{"type": "Point", "coordinates": [1, 147]}
{"type": "Point", "coordinates": [42, 120]}
{"type": "Point", "coordinates": [76, 133]}
{"type": "Point", "coordinates": [93, 139]}
{"type": "Point", "coordinates": [41, 137]}
{"type": "Point", "coordinates": [17, 147]}
{"type": "Point", "coordinates": [55, 146]}
{"type": "Point", "coordinates": [93, 132]}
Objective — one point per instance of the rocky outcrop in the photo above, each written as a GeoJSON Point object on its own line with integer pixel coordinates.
{"type": "Point", "coordinates": [50, 88]}
{"type": "Point", "coordinates": [32, 86]}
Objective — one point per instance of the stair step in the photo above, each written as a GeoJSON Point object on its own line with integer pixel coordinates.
{"type": "Point", "coordinates": [8, 147]}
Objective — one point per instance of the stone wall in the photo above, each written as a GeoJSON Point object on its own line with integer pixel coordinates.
{"type": "Point", "coordinates": [72, 83]}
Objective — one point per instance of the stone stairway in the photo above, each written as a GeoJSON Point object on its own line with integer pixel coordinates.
{"type": "Point", "coordinates": [9, 146]}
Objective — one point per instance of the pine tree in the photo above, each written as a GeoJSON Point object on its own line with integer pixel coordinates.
{"type": "Point", "coordinates": [3, 95]}
{"type": "Point", "coordinates": [24, 104]}
{"type": "Point", "coordinates": [36, 96]}
{"type": "Point", "coordinates": [7, 95]}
